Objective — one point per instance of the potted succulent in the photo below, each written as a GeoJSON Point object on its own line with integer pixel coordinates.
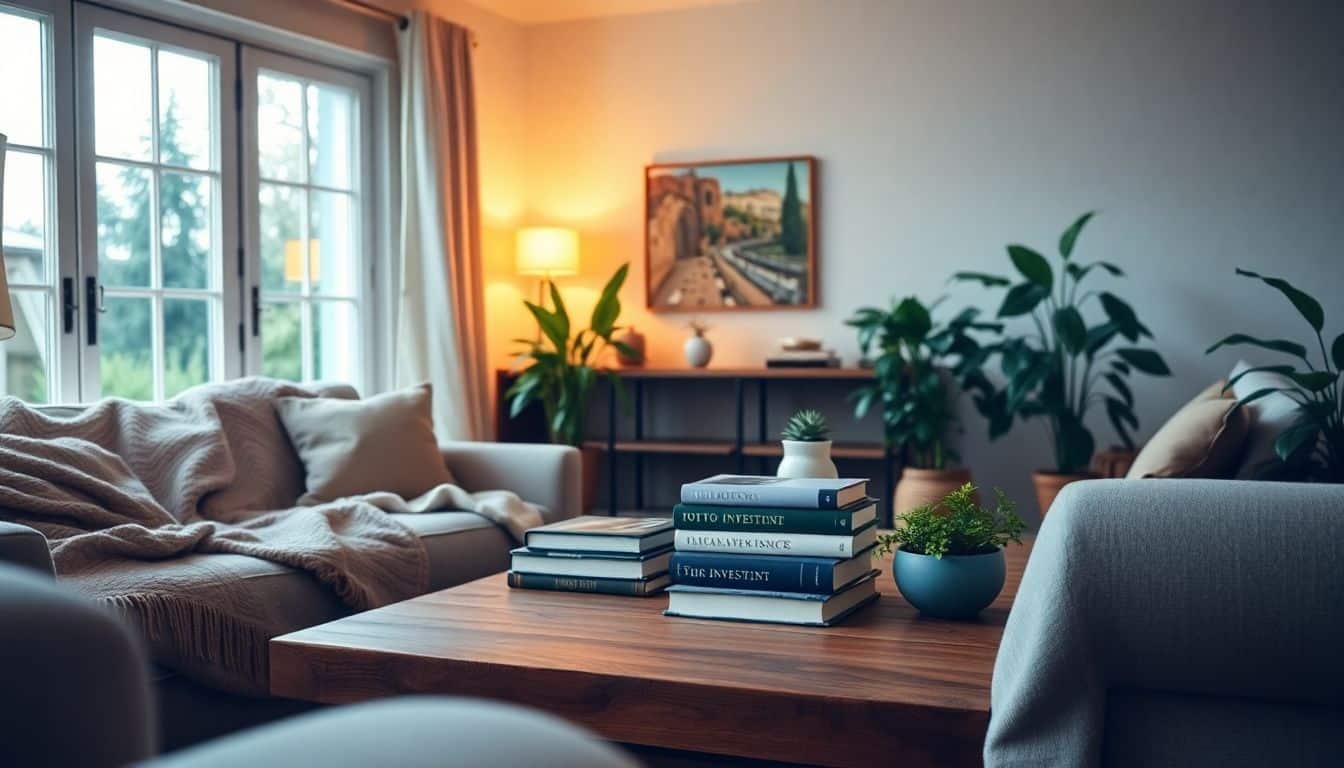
{"type": "Point", "coordinates": [807, 447]}
{"type": "Point", "coordinates": [947, 557]}
{"type": "Point", "coordinates": [563, 370]}
{"type": "Point", "coordinates": [913, 359]}
{"type": "Point", "coordinates": [1059, 367]}
{"type": "Point", "coordinates": [1312, 448]}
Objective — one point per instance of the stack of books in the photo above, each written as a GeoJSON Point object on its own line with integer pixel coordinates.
{"type": "Point", "coordinates": [612, 555]}
{"type": "Point", "coordinates": [792, 551]}
{"type": "Point", "coordinates": [802, 358]}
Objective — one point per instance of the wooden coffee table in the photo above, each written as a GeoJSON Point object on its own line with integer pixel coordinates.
{"type": "Point", "coordinates": [884, 687]}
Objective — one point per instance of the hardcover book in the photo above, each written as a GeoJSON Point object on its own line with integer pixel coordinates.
{"type": "Point", "coordinates": [764, 491]}
{"type": "Point", "coordinates": [773, 607]}
{"type": "Point", "coordinates": [592, 533]}
{"type": "Point", "coordinates": [767, 573]}
{"type": "Point", "coordinates": [713, 517]}
{"type": "Point", "coordinates": [593, 565]}
{"type": "Point", "coordinates": [790, 544]}
{"type": "Point", "coordinates": [632, 587]}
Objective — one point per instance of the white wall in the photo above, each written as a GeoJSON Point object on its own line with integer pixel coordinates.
{"type": "Point", "coordinates": [1210, 136]}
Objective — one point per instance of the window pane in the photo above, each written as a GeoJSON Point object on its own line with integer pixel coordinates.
{"type": "Point", "coordinates": [26, 358]}
{"type": "Point", "coordinates": [186, 344]}
{"type": "Point", "coordinates": [330, 135]}
{"type": "Point", "coordinates": [123, 225]}
{"type": "Point", "coordinates": [21, 74]}
{"type": "Point", "coordinates": [280, 128]}
{"type": "Point", "coordinates": [185, 223]}
{"type": "Point", "coordinates": [335, 341]}
{"type": "Point", "coordinates": [185, 116]}
{"type": "Point", "coordinates": [122, 84]}
{"type": "Point", "coordinates": [125, 343]}
{"type": "Point", "coordinates": [282, 211]}
{"type": "Point", "coordinates": [25, 196]}
{"type": "Point", "coordinates": [282, 341]}
{"type": "Point", "coordinates": [333, 244]}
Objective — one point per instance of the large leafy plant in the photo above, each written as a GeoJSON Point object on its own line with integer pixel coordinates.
{"type": "Point", "coordinates": [563, 368]}
{"type": "Point", "coordinates": [914, 356]}
{"type": "Point", "coordinates": [955, 525]}
{"type": "Point", "coordinates": [1313, 447]}
{"type": "Point", "coordinates": [1056, 370]}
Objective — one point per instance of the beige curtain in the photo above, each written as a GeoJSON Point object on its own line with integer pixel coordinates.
{"type": "Point", "coordinates": [440, 309]}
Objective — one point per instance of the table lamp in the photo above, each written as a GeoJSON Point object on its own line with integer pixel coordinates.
{"type": "Point", "coordinates": [6, 308]}
{"type": "Point", "coordinates": [547, 253]}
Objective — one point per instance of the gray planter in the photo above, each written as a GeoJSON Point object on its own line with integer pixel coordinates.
{"type": "Point", "coordinates": [953, 587]}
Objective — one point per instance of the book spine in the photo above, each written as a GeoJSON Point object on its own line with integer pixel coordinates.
{"type": "Point", "coordinates": [758, 496]}
{"type": "Point", "coordinates": [635, 587]}
{"type": "Point", "coordinates": [756, 573]}
{"type": "Point", "coordinates": [794, 544]}
{"type": "Point", "coordinates": [703, 517]}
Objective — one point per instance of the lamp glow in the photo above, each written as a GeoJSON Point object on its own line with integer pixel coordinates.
{"type": "Point", "coordinates": [547, 252]}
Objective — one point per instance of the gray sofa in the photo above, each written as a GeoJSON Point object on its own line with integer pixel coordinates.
{"type": "Point", "coordinates": [1177, 622]}
{"type": "Point", "coordinates": [462, 546]}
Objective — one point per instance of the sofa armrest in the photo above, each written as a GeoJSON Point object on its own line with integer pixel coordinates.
{"type": "Point", "coordinates": [21, 545]}
{"type": "Point", "coordinates": [548, 475]}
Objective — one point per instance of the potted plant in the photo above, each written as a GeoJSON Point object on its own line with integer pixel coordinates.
{"type": "Point", "coordinates": [914, 359]}
{"type": "Point", "coordinates": [1057, 367]}
{"type": "Point", "coordinates": [948, 556]}
{"type": "Point", "coordinates": [807, 447]}
{"type": "Point", "coordinates": [563, 370]}
{"type": "Point", "coordinates": [1312, 448]}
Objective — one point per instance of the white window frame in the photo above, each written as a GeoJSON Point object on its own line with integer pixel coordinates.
{"type": "Point", "coordinates": [227, 359]}
{"type": "Point", "coordinates": [255, 61]}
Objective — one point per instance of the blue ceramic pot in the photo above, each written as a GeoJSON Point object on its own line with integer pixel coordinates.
{"type": "Point", "coordinates": [953, 587]}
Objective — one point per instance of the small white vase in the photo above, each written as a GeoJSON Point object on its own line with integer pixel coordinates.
{"type": "Point", "coordinates": [807, 458]}
{"type": "Point", "coordinates": [698, 350]}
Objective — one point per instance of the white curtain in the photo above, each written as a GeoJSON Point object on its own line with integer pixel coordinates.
{"type": "Point", "coordinates": [440, 309]}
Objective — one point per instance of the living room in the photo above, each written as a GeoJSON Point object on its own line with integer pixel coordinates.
{"type": "Point", "coordinates": [348, 343]}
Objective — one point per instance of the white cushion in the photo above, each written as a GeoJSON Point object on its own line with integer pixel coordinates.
{"type": "Point", "coordinates": [1270, 416]}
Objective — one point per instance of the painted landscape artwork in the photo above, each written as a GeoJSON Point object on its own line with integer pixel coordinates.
{"type": "Point", "coordinates": [730, 235]}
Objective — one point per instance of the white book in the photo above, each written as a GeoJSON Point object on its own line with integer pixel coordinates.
{"type": "Point", "coordinates": [767, 491]}
{"type": "Point", "coordinates": [603, 566]}
{"type": "Point", "coordinates": [795, 544]}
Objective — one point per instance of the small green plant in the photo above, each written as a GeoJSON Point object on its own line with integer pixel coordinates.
{"type": "Point", "coordinates": [956, 525]}
{"type": "Point", "coordinates": [806, 426]}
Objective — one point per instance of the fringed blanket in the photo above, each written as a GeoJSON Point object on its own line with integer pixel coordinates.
{"type": "Point", "coordinates": [211, 471]}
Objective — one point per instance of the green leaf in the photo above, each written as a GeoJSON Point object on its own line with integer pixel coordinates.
{"type": "Point", "coordinates": [1301, 435]}
{"type": "Point", "coordinates": [1078, 272]}
{"type": "Point", "coordinates": [1280, 369]}
{"type": "Point", "coordinates": [1276, 345]}
{"type": "Point", "coordinates": [626, 350]}
{"type": "Point", "coordinates": [1257, 394]}
{"type": "Point", "coordinates": [608, 307]}
{"type": "Point", "coordinates": [1120, 387]}
{"type": "Point", "coordinates": [550, 326]}
{"type": "Point", "coordinates": [1337, 352]}
{"type": "Point", "coordinates": [1074, 445]}
{"type": "Point", "coordinates": [1123, 419]}
{"type": "Point", "coordinates": [1312, 381]}
{"type": "Point", "coordinates": [1306, 305]}
{"type": "Point", "coordinates": [1070, 330]}
{"type": "Point", "coordinates": [1145, 360]}
{"type": "Point", "coordinates": [1122, 315]}
{"type": "Point", "coordinates": [1099, 336]}
{"type": "Point", "coordinates": [990, 281]}
{"type": "Point", "coordinates": [1032, 265]}
{"type": "Point", "coordinates": [1070, 236]}
{"type": "Point", "coordinates": [1022, 298]}
{"type": "Point", "coordinates": [558, 302]}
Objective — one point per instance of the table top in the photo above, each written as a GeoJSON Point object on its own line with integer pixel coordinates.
{"type": "Point", "coordinates": [885, 654]}
{"type": "Point", "coordinates": [713, 372]}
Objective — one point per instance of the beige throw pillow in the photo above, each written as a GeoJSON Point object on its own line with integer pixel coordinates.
{"type": "Point", "coordinates": [1205, 438]}
{"type": "Point", "coordinates": [351, 447]}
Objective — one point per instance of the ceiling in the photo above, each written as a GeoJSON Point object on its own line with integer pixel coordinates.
{"type": "Point", "coordinates": [546, 11]}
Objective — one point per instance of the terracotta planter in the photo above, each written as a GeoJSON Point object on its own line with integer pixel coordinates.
{"type": "Point", "coordinates": [1049, 484]}
{"type": "Point", "coordinates": [590, 459]}
{"type": "Point", "coordinates": [918, 487]}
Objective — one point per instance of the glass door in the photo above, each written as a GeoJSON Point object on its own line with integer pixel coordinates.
{"type": "Point", "coordinates": [158, 218]}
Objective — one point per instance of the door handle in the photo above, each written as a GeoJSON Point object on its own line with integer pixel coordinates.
{"type": "Point", "coordinates": [92, 301]}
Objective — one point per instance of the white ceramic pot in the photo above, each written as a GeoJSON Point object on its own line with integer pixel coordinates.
{"type": "Point", "coordinates": [807, 458]}
{"type": "Point", "coordinates": [698, 350]}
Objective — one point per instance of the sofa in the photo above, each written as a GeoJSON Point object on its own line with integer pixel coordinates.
{"type": "Point", "coordinates": [462, 546]}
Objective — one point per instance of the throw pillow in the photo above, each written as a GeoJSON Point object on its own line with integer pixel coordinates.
{"type": "Point", "coordinates": [1205, 438]}
{"type": "Point", "coordinates": [1269, 417]}
{"type": "Point", "coordinates": [352, 447]}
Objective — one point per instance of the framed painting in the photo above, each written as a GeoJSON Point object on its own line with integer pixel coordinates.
{"type": "Point", "coordinates": [731, 234]}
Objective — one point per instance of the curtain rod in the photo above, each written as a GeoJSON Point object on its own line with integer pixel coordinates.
{"type": "Point", "coordinates": [376, 10]}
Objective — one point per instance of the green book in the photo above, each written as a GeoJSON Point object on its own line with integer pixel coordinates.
{"type": "Point", "coordinates": [715, 517]}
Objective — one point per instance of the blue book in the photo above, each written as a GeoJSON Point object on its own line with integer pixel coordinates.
{"type": "Point", "coordinates": [769, 573]}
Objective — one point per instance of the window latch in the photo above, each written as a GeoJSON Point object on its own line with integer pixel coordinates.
{"type": "Point", "coordinates": [69, 306]}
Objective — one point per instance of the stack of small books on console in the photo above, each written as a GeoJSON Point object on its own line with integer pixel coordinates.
{"type": "Point", "coordinates": [791, 551]}
{"type": "Point", "coordinates": [612, 555]}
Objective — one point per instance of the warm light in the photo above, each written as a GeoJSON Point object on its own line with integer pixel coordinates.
{"type": "Point", "coordinates": [294, 261]}
{"type": "Point", "coordinates": [548, 251]}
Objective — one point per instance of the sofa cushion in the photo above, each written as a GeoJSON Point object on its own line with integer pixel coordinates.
{"type": "Point", "coordinates": [462, 546]}
{"type": "Point", "coordinates": [353, 447]}
{"type": "Point", "coordinates": [1269, 417]}
{"type": "Point", "coordinates": [1204, 438]}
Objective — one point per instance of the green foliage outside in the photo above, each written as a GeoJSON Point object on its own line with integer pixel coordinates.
{"type": "Point", "coordinates": [956, 525]}
{"type": "Point", "coordinates": [792, 225]}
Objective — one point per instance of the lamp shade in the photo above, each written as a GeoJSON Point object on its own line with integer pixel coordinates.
{"type": "Point", "coordinates": [6, 308]}
{"type": "Point", "coordinates": [548, 251]}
